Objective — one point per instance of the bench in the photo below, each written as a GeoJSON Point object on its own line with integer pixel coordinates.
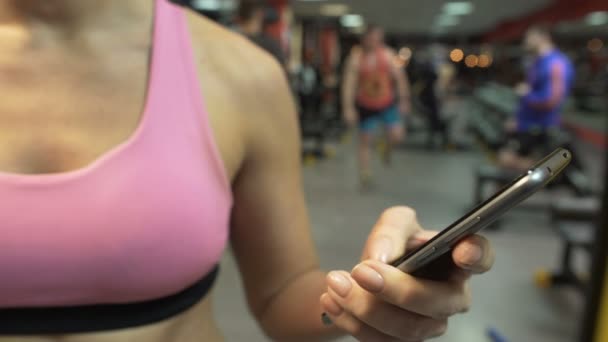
{"type": "Point", "coordinates": [574, 221]}
{"type": "Point", "coordinates": [574, 209]}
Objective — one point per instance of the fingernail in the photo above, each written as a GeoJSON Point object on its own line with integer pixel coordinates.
{"type": "Point", "coordinates": [325, 319]}
{"type": "Point", "coordinates": [368, 278]}
{"type": "Point", "coordinates": [381, 249]}
{"type": "Point", "coordinates": [329, 305]}
{"type": "Point", "coordinates": [339, 283]}
{"type": "Point", "coordinates": [472, 255]}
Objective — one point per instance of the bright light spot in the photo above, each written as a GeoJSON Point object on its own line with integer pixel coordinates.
{"type": "Point", "coordinates": [597, 18]}
{"type": "Point", "coordinates": [447, 20]}
{"type": "Point", "coordinates": [334, 10]}
{"type": "Point", "coordinates": [456, 55]}
{"type": "Point", "coordinates": [471, 61]}
{"type": "Point", "coordinates": [405, 53]}
{"type": "Point", "coordinates": [351, 20]}
{"type": "Point", "coordinates": [458, 8]}
{"type": "Point", "coordinates": [595, 45]}
{"type": "Point", "coordinates": [484, 61]}
{"type": "Point", "coordinates": [207, 5]}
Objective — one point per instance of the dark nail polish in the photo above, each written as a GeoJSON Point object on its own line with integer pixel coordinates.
{"type": "Point", "coordinates": [325, 319]}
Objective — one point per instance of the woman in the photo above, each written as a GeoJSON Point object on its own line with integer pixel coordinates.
{"type": "Point", "coordinates": [136, 136]}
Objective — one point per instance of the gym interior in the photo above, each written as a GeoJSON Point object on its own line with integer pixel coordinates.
{"type": "Point", "coordinates": [546, 284]}
{"type": "Point", "coordinates": [113, 227]}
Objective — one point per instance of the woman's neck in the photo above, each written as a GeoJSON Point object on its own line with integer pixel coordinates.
{"type": "Point", "coordinates": [63, 15]}
{"type": "Point", "coordinates": [36, 23]}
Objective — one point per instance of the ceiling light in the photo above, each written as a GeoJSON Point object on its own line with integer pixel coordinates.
{"type": "Point", "coordinates": [597, 18]}
{"type": "Point", "coordinates": [457, 55]}
{"type": "Point", "coordinates": [458, 8]}
{"type": "Point", "coordinates": [447, 20]}
{"type": "Point", "coordinates": [484, 61]}
{"type": "Point", "coordinates": [207, 5]}
{"type": "Point", "coordinates": [334, 10]}
{"type": "Point", "coordinates": [471, 61]}
{"type": "Point", "coordinates": [351, 20]}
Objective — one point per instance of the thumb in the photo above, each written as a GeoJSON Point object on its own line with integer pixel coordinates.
{"type": "Point", "coordinates": [395, 231]}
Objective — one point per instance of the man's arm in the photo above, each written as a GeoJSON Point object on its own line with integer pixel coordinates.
{"type": "Point", "coordinates": [349, 86]}
{"type": "Point", "coordinates": [550, 97]}
{"type": "Point", "coordinates": [403, 84]}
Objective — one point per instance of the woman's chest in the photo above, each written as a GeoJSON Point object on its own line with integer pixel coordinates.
{"type": "Point", "coordinates": [58, 117]}
{"type": "Point", "coordinates": [63, 119]}
{"type": "Point", "coordinates": [136, 182]}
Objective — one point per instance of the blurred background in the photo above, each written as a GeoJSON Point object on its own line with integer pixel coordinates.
{"type": "Point", "coordinates": [466, 64]}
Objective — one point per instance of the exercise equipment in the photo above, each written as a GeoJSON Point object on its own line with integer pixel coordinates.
{"type": "Point", "coordinates": [574, 221]}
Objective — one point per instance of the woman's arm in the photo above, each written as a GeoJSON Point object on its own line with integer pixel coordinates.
{"type": "Point", "coordinates": [276, 256]}
{"type": "Point", "coordinates": [270, 229]}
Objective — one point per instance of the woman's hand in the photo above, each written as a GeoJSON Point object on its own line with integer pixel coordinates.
{"type": "Point", "coordinates": [377, 302]}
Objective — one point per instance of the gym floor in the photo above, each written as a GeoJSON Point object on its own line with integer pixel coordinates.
{"type": "Point", "coordinates": [439, 186]}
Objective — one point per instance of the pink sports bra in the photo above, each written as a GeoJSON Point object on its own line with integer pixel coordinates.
{"type": "Point", "coordinates": [146, 220]}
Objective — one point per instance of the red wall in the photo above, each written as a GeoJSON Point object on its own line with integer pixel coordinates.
{"type": "Point", "coordinates": [559, 10]}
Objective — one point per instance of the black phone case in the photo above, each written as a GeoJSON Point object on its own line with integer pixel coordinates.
{"type": "Point", "coordinates": [439, 269]}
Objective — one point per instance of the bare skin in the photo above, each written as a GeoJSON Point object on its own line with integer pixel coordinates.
{"type": "Point", "coordinates": [66, 100]}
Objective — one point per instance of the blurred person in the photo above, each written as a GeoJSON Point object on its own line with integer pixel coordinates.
{"type": "Point", "coordinates": [128, 164]}
{"type": "Point", "coordinates": [369, 96]}
{"type": "Point", "coordinates": [542, 96]}
{"type": "Point", "coordinates": [436, 76]}
{"type": "Point", "coordinates": [309, 85]}
{"type": "Point", "coordinates": [251, 20]}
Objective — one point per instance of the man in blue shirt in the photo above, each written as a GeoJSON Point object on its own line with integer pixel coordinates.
{"type": "Point", "coordinates": [542, 97]}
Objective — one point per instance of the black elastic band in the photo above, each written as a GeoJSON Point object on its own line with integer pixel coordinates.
{"type": "Point", "coordinates": [89, 318]}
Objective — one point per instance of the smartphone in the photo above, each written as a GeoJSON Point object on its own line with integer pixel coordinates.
{"type": "Point", "coordinates": [433, 259]}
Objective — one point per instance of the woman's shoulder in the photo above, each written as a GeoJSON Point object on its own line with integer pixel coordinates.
{"type": "Point", "coordinates": [244, 86]}
{"type": "Point", "coordinates": [232, 57]}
